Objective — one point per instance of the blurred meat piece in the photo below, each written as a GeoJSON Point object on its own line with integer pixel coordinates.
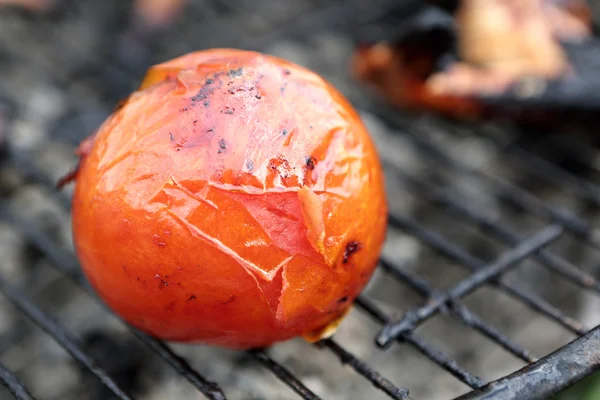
{"type": "Point", "coordinates": [502, 41]}
{"type": "Point", "coordinates": [497, 43]}
{"type": "Point", "coordinates": [150, 14]}
{"type": "Point", "coordinates": [157, 14]}
{"type": "Point", "coordinates": [569, 19]}
{"type": "Point", "coordinates": [34, 5]}
{"type": "Point", "coordinates": [399, 73]}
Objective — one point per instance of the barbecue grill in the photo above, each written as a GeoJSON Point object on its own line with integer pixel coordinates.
{"type": "Point", "coordinates": [490, 270]}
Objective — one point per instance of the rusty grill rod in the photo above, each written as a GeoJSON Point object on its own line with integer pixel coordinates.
{"type": "Point", "coordinates": [14, 386]}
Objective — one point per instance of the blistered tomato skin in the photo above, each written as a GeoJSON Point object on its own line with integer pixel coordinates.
{"type": "Point", "coordinates": [235, 199]}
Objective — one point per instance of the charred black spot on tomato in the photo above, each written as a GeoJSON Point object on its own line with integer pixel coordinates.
{"type": "Point", "coordinates": [310, 163]}
{"type": "Point", "coordinates": [284, 132]}
{"type": "Point", "coordinates": [205, 91]}
{"type": "Point", "coordinates": [236, 72]}
{"type": "Point", "coordinates": [250, 165]}
{"type": "Point", "coordinates": [351, 248]}
{"type": "Point", "coordinates": [258, 96]}
{"type": "Point", "coordinates": [192, 297]}
{"type": "Point", "coordinates": [222, 146]}
{"type": "Point", "coordinates": [343, 299]}
{"type": "Point", "coordinates": [163, 284]}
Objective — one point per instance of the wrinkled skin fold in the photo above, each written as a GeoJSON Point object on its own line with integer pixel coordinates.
{"type": "Point", "coordinates": [235, 199]}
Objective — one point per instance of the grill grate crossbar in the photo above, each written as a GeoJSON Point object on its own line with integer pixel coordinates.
{"type": "Point", "coordinates": [13, 384]}
{"type": "Point", "coordinates": [435, 355]}
{"type": "Point", "coordinates": [506, 261]}
{"type": "Point", "coordinates": [284, 375]}
{"type": "Point", "coordinates": [545, 170]}
{"type": "Point", "coordinates": [518, 196]}
{"type": "Point", "coordinates": [365, 370]}
{"type": "Point", "coordinates": [464, 259]}
{"type": "Point", "coordinates": [458, 310]}
{"type": "Point", "coordinates": [446, 198]}
{"type": "Point", "coordinates": [504, 190]}
{"type": "Point", "coordinates": [474, 321]}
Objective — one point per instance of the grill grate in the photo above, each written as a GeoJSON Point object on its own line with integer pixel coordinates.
{"type": "Point", "coordinates": [523, 384]}
{"type": "Point", "coordinates": [13, 384]}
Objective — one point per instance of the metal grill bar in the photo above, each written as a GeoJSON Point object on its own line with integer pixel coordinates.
{"type": "Point", "coordinates": [14, 385]}
{"type": "Point", "coordinates": [472, 320]}
{"type": "Point", "coordinates": [507, 261]}
{"type": "Point", "coordinates": [542, 168]}
{"type": "Point", "coordinates": [366, 371]}
{"type": "Point", "coordinates": [284, 375]}
{"type": "Point", "coordinates": [463, 258]}
{"type": "Point", "coordinates": [557, 371]}
{"type": "Point", "coordinates": [445, 197]}
{"type": "Point", "coordinates": [57, 332]}
{"type": "Point", "coordinates": [458, 310]}
{"type": "Point", "coordinates": [520, 197]}
{"type": "Point", "coordinates": [437, 356]}
{"type": "Point", "coordinates": [209, 389]}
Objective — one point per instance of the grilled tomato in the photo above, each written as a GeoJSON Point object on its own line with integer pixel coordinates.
{"type": "Point", "coordinates": [235, 199]}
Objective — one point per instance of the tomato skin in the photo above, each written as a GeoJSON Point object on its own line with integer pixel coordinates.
{"type": "Point", "coordinates": [235, 199]}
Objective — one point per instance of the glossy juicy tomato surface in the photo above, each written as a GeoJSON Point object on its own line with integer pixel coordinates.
{"type": "Point", "coordinates": [235, 199]}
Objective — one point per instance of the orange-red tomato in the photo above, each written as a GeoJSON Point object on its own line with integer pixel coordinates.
{"type": "Point", "coordinates": [235, 199]}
